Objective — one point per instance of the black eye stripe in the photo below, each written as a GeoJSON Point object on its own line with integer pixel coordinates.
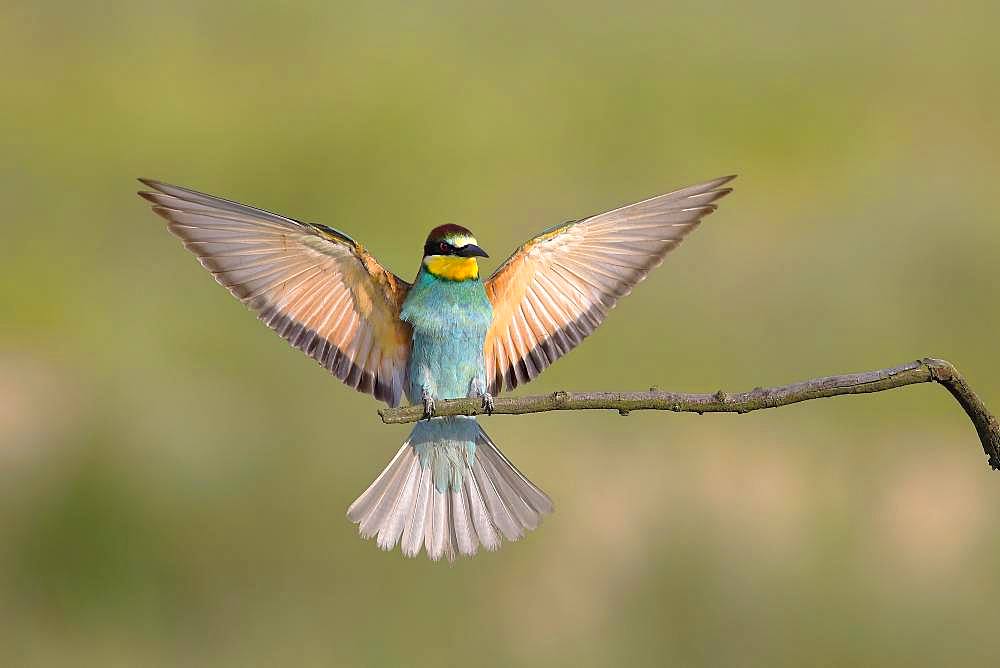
{"type": "Point", "coordinates": [439, 248]}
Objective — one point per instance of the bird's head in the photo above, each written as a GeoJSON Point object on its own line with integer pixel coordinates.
{"type": "Point", "coordinates": [450, 253]}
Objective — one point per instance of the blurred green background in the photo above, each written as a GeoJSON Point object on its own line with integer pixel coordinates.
{"type": "Point", "coordinates": [174, 477]}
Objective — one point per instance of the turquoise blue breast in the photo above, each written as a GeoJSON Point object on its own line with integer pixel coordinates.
{"type": "Point", "coordinates": [450, 320]}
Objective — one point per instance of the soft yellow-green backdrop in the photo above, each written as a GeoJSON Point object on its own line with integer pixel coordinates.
{"type": "Point", "coordinates": [173, 476]}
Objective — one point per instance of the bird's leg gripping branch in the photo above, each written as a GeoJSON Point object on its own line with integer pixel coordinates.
{"type": "Point", "coordinates": [926, 370]}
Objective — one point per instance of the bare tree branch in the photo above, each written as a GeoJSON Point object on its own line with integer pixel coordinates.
{"type": "Point", "coordinates": [927, 370]}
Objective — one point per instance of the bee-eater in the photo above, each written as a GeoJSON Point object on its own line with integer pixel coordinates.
{"type": "Point", "coordinates": [447, 335]}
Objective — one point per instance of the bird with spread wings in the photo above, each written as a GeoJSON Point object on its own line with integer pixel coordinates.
{"type": "Point", "coordinates": [449, 334]}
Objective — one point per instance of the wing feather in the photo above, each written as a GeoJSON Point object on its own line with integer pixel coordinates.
{"type": "Point", "coordinates": [557, 288]}
{"type": "Point", "coordinates": [313, 285]}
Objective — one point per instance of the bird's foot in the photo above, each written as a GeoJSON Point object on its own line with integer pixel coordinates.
{"type": "Point", "coordinates": [488, 404]}
{"type": "Point", "coordinates": [428, 405]}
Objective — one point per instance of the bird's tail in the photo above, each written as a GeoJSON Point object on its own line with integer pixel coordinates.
{"type": "Point", "coordinates": [448, 489]}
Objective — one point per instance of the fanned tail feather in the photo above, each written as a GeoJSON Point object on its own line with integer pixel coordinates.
{"type": "Point", "coordinates": [422, 500]}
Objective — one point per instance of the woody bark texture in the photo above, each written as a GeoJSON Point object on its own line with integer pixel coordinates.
{"type": "Point", "coordinates": [927, 370]}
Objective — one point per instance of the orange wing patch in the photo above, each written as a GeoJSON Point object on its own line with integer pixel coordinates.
{"type": "Point", "coordinates": [315, 286]}
{"type": "Point", "coordinates": [558, 287]}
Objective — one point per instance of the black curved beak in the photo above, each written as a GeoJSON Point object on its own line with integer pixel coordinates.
{"type": "Point", "coordinates": [471, 250]}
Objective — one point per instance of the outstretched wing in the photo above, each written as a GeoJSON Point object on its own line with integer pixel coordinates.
{"type": "Point", "coordinates": [558, 287]}
{"type": "Point", "coordinates": [313, 285]}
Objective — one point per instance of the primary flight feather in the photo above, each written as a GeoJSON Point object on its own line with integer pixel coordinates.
{"type": "Point", "coordinates": [448, 335]}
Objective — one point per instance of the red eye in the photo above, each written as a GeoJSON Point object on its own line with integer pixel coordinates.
{"type": "Point", "coordinates": [444, 247]}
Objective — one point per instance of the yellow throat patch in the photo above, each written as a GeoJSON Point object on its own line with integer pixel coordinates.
{"type": "Point", "coordinates": [452, 268]}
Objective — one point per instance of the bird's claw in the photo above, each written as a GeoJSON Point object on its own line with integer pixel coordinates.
{"type": "Point", "coordinates": [488, 404]}
{"type": "Point", "coordinates": [428, 406]}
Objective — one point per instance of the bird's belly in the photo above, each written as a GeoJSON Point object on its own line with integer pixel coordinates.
{"type": "Point", "coordinates": [447, 362]}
